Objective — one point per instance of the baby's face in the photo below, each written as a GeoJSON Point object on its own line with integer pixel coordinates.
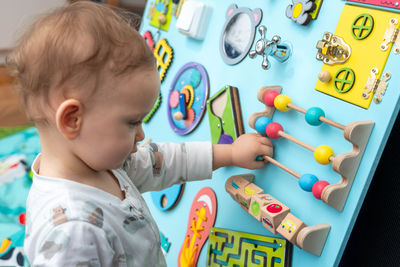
{"type": "Point", "coordinates": [112, 125]}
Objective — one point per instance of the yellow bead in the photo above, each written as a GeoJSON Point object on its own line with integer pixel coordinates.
{"type": "Point", "coordinates": [323, 153]}
{"type": "Point", "coordinates": [281, 102]}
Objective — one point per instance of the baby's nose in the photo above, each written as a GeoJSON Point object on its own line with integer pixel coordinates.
{"type": "Point", "coordinates": [139, 134]}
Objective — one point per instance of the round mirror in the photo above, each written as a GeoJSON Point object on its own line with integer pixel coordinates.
{"type": "Point", "coordinates": [238, 33]}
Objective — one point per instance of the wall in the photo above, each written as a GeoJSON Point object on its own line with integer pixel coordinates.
{"type": "Point", "coordinates": [15, 16]}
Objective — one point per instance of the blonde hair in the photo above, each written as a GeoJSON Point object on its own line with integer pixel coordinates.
{"type": "Point", "coordinates": [76, 45]}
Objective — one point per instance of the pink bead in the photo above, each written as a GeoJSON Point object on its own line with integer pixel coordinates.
{"type": "Point", "coordinates": [318, 187]}
{"type": "Point", "coordinates": [272, 130]}
{"type": "Point", "coordinates": [269, 97]}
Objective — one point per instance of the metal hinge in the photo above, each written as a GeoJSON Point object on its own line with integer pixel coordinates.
{"type": "Point", "coordinates": [376, 86]}
{"type": "Point", "coordinates": [391, 36]}
{"type": "Point", "coordinates": [332, 49]}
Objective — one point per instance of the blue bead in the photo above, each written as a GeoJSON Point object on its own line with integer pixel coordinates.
{"type": "Point", "coordinates": [307, 181]}
{"type": "Point", "coordinates": [259, 158]}
{"type": "Point", "coordinates": [313, 114]}
{"type": "Point", "coordinates": [261, 124]}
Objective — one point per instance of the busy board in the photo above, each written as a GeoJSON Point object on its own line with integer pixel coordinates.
{"type": "Point", "coordinates": [332, 67]}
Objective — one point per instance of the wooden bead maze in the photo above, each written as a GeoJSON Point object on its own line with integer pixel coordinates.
{"type": "Point", "coordinates": [345, 164]}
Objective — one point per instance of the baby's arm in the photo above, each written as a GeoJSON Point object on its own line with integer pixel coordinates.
{"type": "Point", "coordinates": [243, 152]}
{"type": "Point", "coordinates": [158, 166]}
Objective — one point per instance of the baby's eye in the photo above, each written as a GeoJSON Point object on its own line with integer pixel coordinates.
{"type": "Point", "coordinates": [135, 123]}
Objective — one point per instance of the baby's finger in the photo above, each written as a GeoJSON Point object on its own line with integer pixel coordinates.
{"type": "Point", "coordinates": [258, 164]}
{"type": "Point", "coordinates": [264, 140]}
{"type": "Point", "coordinates": [265, 150]}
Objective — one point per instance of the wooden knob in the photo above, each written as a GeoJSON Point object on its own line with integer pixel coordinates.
{"type": "Point", "coordinates": [324, 76]}
{"type": "Point", "coordinates": [162, 19]}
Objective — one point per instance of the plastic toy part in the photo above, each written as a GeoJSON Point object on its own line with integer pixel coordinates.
{"type": "Point", "coordinates": [361, 61]}
{"type": "Point", "coordinates": [153, 110]}
{"type": "Point", "coordinates": [168, 198]}
{"type": "Point", "coordinates": [345, 164]}
{"type": "Point", "coordinates": [174, 99]}
{"type": "Point", "coordinates": [193, 20]}
{"type": "Point", "coordinates": [279, 51]}
{"type": "Point", "coordinates": [201, 218]}
{"type": "Point", "coordinates": [163, 53]}
{"type": "Point", "coordinates": [344, 80]}
{"type": "Point", "coordinates": [232, 248]}
{"type": "Point", "coordinates": [149, 39]}
{"type": "Point", "coordinates": [164, 244]}
{"type": "Point", "coordinates": [188, 98]}
{"type": "Point", "coordinates": [160, 14]}
{"type": "Point", "coordinates": [393, 5]}
{"type": "Point", "coordinates": [225, 116]}
{"type": "Point", "coordinates": [300, 11]}
{"type": "Point", "coordinates": [362, 26]}
{"type": "Point", "coordinates": [275, 216]}
{"type": "Point", "coordinates": [240, 22]}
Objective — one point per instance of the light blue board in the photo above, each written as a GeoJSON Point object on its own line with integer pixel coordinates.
{"type": "Point", "coordinates": [298, 77]}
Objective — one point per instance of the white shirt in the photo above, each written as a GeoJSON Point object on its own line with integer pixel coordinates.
{"type": "Point", "coordinates": [73, 224]}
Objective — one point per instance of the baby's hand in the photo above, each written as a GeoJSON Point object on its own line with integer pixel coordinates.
{"type": "Point", "coordinates": [246, 149]}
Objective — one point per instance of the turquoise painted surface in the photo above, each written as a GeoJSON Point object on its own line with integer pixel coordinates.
{"type": "Point", "coordinates": [297, 77]}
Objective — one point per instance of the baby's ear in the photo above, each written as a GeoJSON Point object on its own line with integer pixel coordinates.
{"type": "Point", "coordinates": [69, 118]}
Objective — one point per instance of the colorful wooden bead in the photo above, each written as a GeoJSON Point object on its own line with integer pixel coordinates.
{"type": "Point", "coordinates": [307, 181]}
{"type": "Point", "coordinates": [281, 102]}
{"type": "Point", "coordinates": [269, 97]}
{"type": "Point", "coordinates": [322, 154]}
{"type": "Point", "coordinates": [318, 187]}
{"type": "Point", "coordinates": [273, 129]}
{"type": "Point", "coordinates": [313, 114]}
{"type": "Point", "coordinates": [261, 124]}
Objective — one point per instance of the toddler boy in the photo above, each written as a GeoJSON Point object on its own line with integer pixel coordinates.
{"type": "Point", "coordinates": [88, 79]}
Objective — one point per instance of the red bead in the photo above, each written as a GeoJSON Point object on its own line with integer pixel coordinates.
{"type": "Point", "coordinates": [272, 130]}
{"type": "Point", "coordinates": [269, 97]}
{"type": "Point", "coordinates": [22, 218]}
{"type": "Point", "coordinates": [318, 187]}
